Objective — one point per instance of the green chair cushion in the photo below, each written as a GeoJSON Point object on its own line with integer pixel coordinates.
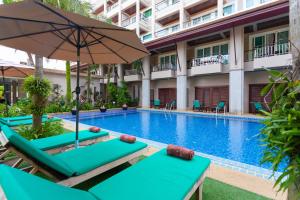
{"type": "Point", "coordinates": [85, 159]}
{"type": "Point", "coordinates": [28, 121]}
{"type": "Point", "coordinates": [25, 146]}
{"type": "Point", "coordinates": [24, 117]}
{"type": "Point", "coordinates": [157, 177]}
{"type": "Point", "coordinates": [18, 185]}
{"type": "Point", "coordinates": [65, 139]}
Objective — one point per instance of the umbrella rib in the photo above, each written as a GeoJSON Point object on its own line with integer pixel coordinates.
{"type": "Point", "coordinates": [107, 47]}
{"type": "Point", "coordinates": [87, 47]}
{"type": "Point", "coordinates": [32, 20]}
{"type": "Point", "coordinates": [119, 42]}
{"type": "Point", "coordinates": [30, 34]}
{"type": "Point", "coordinates": [63, 36]}
{"type": "Point", "coordinates": [55, 12]}
{"type": "Point", "coordinates": [60, 45]}
{"type": "Point", "coordinates": [94, 42]}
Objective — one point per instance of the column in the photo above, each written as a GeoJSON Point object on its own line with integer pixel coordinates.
{"type": "Point", "coordinates": [119, 14]}
{"type": "Point", "coordinates": [120, 75]}
{"type": "Point", "coordinates": [236, 73]}
{"type": "Point", "coordinates": [220, 8]}
{"type": "Point", "coordinates": [181, 76]}
{"type": "Point", "coordinates": [153, 18]}
{"type": "Point", "coordinates": [146, 83]}
{"type": "Point", "coordinates": [105, 8]}
{"type": "Point", "coordinates": [137, 12]}
{"type": "Point", "coordinates": [182, 17]}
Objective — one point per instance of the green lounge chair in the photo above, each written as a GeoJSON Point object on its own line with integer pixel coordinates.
{"type": "Point", "coordinates": [196, 105]}
{"type": "Point", "coordinates": [156, 103]}
{"type": "Point", "coordinates": [74, 166]}
{"type": "Point", "coordinates": [24, 120]}
{"type": "Point", "coordinates": [157, 177]}
{"type": "Point", "coordinates": [220, 106]}
{"type": "Point", "coordinates": [61, 142]}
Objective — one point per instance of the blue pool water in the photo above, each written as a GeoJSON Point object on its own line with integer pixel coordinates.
{"type": "Point", "coordinates": [234, 139]}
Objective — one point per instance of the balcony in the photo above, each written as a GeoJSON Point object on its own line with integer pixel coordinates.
{"type": "Point", "coordinates": [208, 65]}
{"type": "Point", "coordinates": [130, 23]}
{"type": "Point", "coordinates": [166, 31]}
{"type": "Point", "coordinates": [277, 55]}
{"type": "Point", "coordinates": [112, 78]}
{"type": "Point", "coordinates": [163, 71]}
{"type": "Point", "coordinates": [128, 3]}
{"type": "Point", "coordinates": [201, 20]}
{"type": "Point", "coordinates": [132, 75]}
{"type": "Point", "coordinates": [112, 10]}
{"type": "Point", "coordinates": [166, 8]}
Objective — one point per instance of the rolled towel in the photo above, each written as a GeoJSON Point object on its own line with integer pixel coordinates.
{"type": "Point", "coordinates": [128, 138]}
{"type": "Point", "coordinates": [180, 152]}
{"type": "Point", "coordinates": [94, 129]}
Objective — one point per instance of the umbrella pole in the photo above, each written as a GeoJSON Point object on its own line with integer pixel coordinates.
{"type": "Point", "coordinates": [77, 88]}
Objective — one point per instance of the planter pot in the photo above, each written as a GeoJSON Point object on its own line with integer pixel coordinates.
{"type": "Point", "coordinates": [103, 110]}
{"type": "Point", "coordinates": [73, 112]}
{"type": "Point", "coordinates": [125, 108]}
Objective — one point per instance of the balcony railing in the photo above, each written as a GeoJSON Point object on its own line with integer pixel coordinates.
{"type": "Point", "coordinates": [130, 72]}
{"type": "Point", "coordinates": [222, 59]}
{"type": "Point", "coordinates": [128, 21]}
{"type": "Point", "coordinates": [167, 30]}
{"type": "Point", "coordinates": [164, 4]}
{"type": "Point", "coordinates": [266, 51]}
{"type": "Point", "coordinates": [109, 8]}
{"type": "Point", "coordinates": [200, 20]}
{"type": "Point", "coordinates": [164, 67]}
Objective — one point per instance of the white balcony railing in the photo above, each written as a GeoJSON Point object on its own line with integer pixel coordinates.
{"type": "Point", "coordinates": [276, 49]}
{"type": "Point", "coordinates": [165, 3]}
{"type": "Point", "coordinates": [167, 30]}
{"type": "Point", "coordinates": [109, 8]}
{"type": "Point", "coordinates": [222, 59]}
{"type": "Point", "coordinates": [164, 67]}
{"type": "Point", "coordinates": [130, 72]}
{"type": "Point", "coordinates": [200, 20]}
{"type": "Point", "coordinates": [128, 21]}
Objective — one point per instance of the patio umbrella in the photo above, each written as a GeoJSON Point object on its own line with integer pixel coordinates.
{"type": "Point", "coordinates": [12, 69]}
{"type": "Point", "coordinates": [38, 28]}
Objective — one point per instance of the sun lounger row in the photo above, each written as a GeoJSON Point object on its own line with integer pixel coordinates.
{"type": "Point", "coordinates": [24, 120]}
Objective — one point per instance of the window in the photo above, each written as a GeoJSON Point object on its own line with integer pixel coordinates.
{"type": "Point", "coordinates": [227, 10]}
{"type": "Point", "coordinates": [250, 3]}
{"type": "Point", "coordinates": [147, 37]}
{"type": "Point", "coordinates": [148, 13]}
{"type": "Point", "coordinates": [206, 17]}
{"type": "Point", "coordinates": [196, 21]}
{"type": "Point", "coordinates": [168, 61]}
{"type": "Point", "coordinates": [283, 37]}
{"type": "Point", "coordinates": [216, 50]}
{"type": "Point", "coordinates": [224, 49]}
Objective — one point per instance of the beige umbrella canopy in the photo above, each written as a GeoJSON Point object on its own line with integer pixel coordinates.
{"type": "Point", "coordinates": [37, 28]}
{"type": "Point", "coordinates": [11, 69]}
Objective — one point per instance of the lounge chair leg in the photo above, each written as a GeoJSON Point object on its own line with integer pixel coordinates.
{"type": "Point", "coordinates": [199, 192]}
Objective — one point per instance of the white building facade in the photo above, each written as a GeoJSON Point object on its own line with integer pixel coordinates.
{"type": "Point", "coordinates": [206, 50]}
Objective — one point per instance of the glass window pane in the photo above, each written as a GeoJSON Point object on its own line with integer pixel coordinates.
{"type": "Point", "coordinates": [283, 37]}
{"type": "Point", "coordinates": [167, 59]}
{"type": "Point", "coordinates": [200, 53]}
{"type": "Point", "coordinates": [216, 50]}
{"type": "Point", "coordinates": [162, 60]}
{"type": "Point", "coordinates": [270, 39]}
{"type": "Point", "coordinates": [174, 60]}
{"type": "Point", "coordinates": [148, 13]}
{"type": "Point", "coordinates": [224, 49]}
{"type": "Point", "coordinates": [227, 10]}
{"type": "Point", "coordinates": [259, 41]}
{"type": "Point", "coordinates": [207, 52]}
{"type": "Point", "coordinates": [206, 17]}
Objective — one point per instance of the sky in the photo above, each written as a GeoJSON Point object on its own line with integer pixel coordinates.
{"type": "Point", "coordinates": [9, 54]}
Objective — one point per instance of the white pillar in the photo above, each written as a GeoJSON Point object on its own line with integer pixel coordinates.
{"type": "Point", "coordinates": [182, 16]}
{"type": "Point", "coordinates": [181, 77]}
{"type": "Point", "coordinates": [120, 74]}
{"type": "Point", "coordinates": [146, 83]}
{"type": "Point", "coordinates": [220, 8]}
{"type": "Point", "coordinates": [137, 17]}
{"type": "Point", "coordinates": [153, 18]}
{"type": "Point", "coordinates": [105, 7]}
{"type": "Point", "coordinates": [119, 14]}
{"type": "Point", "coordinates": [236, 74]}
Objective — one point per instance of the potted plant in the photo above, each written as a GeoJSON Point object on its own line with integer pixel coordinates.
{"type": "Point", "coordinates": [103, 108]}
{"type": "Point", "coordinates": [73, 111]}
{"type": "Point", "coordinates": [124, 106]}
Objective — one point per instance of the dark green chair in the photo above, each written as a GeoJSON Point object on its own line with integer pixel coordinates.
{"type": "Point", "coordinates": [258, 106]}
{"type": "Point", "coordinates": [156, 103]}
{"type": "Point", "coordinates": [197, 105]}
{"type": "Point", "coordinates": [220, 106]}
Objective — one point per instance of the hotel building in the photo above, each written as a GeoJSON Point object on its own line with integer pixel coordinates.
{"type": "Point", "coordinates": [209, 50]}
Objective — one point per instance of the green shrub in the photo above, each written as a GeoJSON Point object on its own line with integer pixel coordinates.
{"type": "Point", "coordinates": [86, 106]}
{"type": "Point", "coordinates": [48, 129]}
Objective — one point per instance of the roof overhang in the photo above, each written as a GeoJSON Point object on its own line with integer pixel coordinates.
{"type": "Point", "coordinates": [240, 18]}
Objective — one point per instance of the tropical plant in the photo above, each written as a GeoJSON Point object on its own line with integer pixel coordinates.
{"type": "Point", "coordinates": [123, 96]}
{"type": "Point", "coordinates": [39, 90]}
{"type": "Point", "coordinates": [281, 134]}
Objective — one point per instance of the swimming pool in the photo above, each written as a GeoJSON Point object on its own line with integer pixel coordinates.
{"type": "Point", "coordinates": [230, 138]}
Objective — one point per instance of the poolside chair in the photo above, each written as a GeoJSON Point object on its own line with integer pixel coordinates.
{"type": "Point", "coordinates": [74, 166]}
{"type": "Point", "coordinates": [24, 120]}
{"type": "Point", "coordinates": [157, 177]}
{"type": "Point", "coordinates": [220, 106]}
{"type": "Point", "coordinates": [197, 105]}
{"type": "Point", "coordinates": [156, 103]}
{"type": "Point", "coordinates": [258, 106]}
